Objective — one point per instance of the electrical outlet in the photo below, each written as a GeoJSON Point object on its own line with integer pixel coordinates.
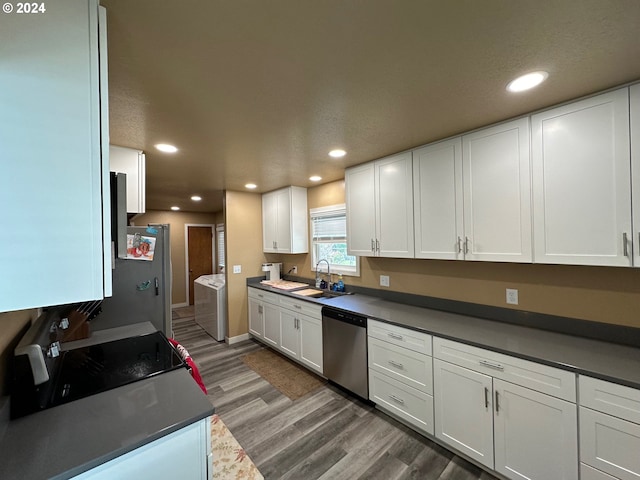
{"type": "Point", "coordinates": [384, 280]}
{"type": "Point", "coordinates": [237, 269]}
{"type": "Point", "coordinates": [294, 269]}
{"type": "Point", "coordinates": [512, 296]}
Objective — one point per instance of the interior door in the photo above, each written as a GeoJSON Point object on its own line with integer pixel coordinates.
{"type": "Point", "coordinates": [200, 248]}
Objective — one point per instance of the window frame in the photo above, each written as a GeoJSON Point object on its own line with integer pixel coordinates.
{"type": "Point", "coordinates": [330, 210]}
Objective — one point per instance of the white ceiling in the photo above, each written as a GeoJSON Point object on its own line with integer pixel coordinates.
{"type": "Point", "coordinates": [260, 90]}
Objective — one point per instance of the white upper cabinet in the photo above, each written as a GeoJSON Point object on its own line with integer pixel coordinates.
{"type": "Point", "coordinates": [54, 191]}
{"type": "Point", "coordinates": [285, 225]}
{"type": "Point", "coordinates": [437, 190]}
{"type": "Point", "coordinates": [635, 169]}
{"type": "Point", "coordinates": [581, 182]}
{"type": "Point", "coordinates": [497, 189]}
{"type": "Point", "coordinates": [379, 199]}
{"type": "Point", "coordinates": [132, 163]}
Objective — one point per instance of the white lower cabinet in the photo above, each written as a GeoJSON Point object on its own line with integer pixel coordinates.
{"type": "Point", "coordinates": [182, 454]}
{"type": "Point", "coordinates": [609, 430]}
{"type": "Point", "coordinates": [590, 473]}
{"type": "Point", "coordinates": [400, 373]}
{"type": "Point", "coordinates": [293, 327]}
{"type": "Point", "coordinates": [515, 430]}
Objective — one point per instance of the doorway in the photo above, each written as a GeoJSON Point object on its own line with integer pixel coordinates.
{"type": "Point", "coordinates": [199, 253]}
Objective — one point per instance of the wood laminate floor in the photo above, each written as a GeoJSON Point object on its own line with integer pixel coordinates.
{"type": "Point", "coordinates": [326, 434]}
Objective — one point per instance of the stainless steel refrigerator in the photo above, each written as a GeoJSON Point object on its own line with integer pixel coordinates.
{"type": "Point", "coordinates": [141, 286]}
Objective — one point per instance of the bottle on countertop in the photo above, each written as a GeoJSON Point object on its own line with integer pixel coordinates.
{"type": "Point", "coordinates": [340, 284]}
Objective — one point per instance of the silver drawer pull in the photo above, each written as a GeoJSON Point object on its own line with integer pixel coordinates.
{"type": "Point", "coordinates": [396, 364]}
{"type": "Point", "coordinates": [396, 399]}
{"type": "Point", "coordinates": [486, 397]}
{"type": "Point", "coordinates": [261, 296]}
{"type": "Point", "coordinates": [495, 366]}
{"type": "Point", "coordinates": [297, 306]}
{"type": "Point", "coordinates": [395, 335]}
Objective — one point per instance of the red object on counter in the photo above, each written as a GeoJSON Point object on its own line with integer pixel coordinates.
{"type": "Point", "coordinates": [195, 373]}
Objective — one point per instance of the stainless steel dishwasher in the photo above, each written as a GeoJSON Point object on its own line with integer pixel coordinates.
{"type": "Point", "coordinates": [344, 350]}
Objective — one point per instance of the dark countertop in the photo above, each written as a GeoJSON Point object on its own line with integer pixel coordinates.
{"type": "Point", "coordinates": [66, 440]}
{"type": "Point", "coordinates": [608, 361]}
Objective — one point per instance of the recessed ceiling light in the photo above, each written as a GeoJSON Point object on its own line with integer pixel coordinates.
{"type": "Point", "coordinates": [315, 178]}
{"type": "Point", "coordinates": [525, 82]}
{"type": "Point", "coordinates": [175, 209]}
{"type": "Point", "coordinates": [196, 198]}
{"type": "Point", "coordinates": [337, 153]}
{"type": "Point", "coordinates": [165, 147]}
{"type": "Point", "coordinates": [251, 186]}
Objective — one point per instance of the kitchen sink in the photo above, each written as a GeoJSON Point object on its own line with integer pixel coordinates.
{"type": "Point", "coordinates": [317, 293]}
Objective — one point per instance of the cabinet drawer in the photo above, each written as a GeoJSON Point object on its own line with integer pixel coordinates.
{"type": "Point", "coordinates": [552, 381]}
{"type": "Point", "coordinates": [590, 473]}
{"type": "Point", "coordinates": [411, 405]}
{"type": "Point", "coordinates": [409, 367]}
{"type": "Point", "coordinates": [611, 398]}
{"type": "Point", "coordinates": [610, 444]}
{"type": "Point", "coordinates": [262, 295]}
{"type": "Point", "coordinates": [307, 308]}
{"type": "Point", "coordinates": [416, 341]}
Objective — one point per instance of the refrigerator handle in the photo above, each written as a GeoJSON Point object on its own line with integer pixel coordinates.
{"type": "Point", "coordinates": [157, 289]}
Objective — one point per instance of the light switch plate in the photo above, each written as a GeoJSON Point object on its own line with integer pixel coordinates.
{"type": "Point", "coordinates": [237, 269]}
{"type": "Point", "coordinates": [384, 280]}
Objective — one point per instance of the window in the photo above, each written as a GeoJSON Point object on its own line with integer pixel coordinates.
{"type": "Point", "coordinates": [220, 241]}
{"type": "Point", "coordinates": [329, 240]}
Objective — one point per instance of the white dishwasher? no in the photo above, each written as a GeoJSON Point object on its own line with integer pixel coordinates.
{"type": "Point", "coordinates": [210, 298]}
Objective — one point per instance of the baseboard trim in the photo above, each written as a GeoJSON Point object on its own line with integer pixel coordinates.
{"type": "Point", "coordinates": [179, 305]}
{"type": "Point", "coordinates": [237, 339]}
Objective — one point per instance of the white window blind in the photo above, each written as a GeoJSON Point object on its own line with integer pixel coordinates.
{"type": "Point", "coordinates": [329, 240]}
{"type": "Point", "coordinates": [220, 244]}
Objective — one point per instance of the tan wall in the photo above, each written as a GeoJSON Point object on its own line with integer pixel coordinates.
{"type": "Point", "coordinates": [603, 294]}
{"type": "Point", "coordinates": [12, 326]}
{"type": "Point", "coordinates": [177, 222]}
{"type": "Point", "coordinates": [243, 235]}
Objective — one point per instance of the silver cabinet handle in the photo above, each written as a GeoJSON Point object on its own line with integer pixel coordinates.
{"type": "Point", "coordinates": [395, 335]}
{"type": "Point", "coordinates": [396, 399]}
{"type": "Point", "coordinates": [466, 245]}
{"type": "Point", "coordinates": [486, 397]}
{"type": "Point", "coordinates": [297, 306]}
{"type": "Point", "coordinates": [625, 246]}
{"type": "Point", "coordinates": [261, 296]}
{"type": "Point", "coordinates": [260, 309]}
{"type": "Point", "coordinates": [497, 403]}
{"type": "Point", "coordinates": [459, 245]}
{"type": "Point", "coordinates": [495, 366]}
{"type": "Point", "coordinates": [396, 364]}
{"type": "Point", "coordinates": [377, 246]}
{"type": "Point", "coordinates": [373, 246]}
{"type": "Point", "coordinates": [296, 323]}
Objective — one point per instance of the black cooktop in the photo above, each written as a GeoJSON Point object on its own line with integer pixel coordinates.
{"type": "Point", "coordinates": [90, 370]}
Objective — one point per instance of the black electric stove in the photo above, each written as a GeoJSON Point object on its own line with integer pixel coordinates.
{"type": "Point", "coordinates": [86, 371]}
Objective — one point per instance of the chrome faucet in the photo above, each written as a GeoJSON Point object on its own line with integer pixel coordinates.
{"type": "Point", "coordinates": [328, 273]}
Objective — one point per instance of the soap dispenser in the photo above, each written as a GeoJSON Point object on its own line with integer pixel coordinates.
{"type": "Point", "coordinates": [340, 287]}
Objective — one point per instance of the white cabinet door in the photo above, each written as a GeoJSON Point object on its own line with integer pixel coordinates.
{"type": "Point", "coordinates": [256, 317]}
{"type": "Point", "coordinates": [181, 454]}
{"type": "Point", "coordinates": [497, 193]}
{"type": "Point", "coordinates": [394, 206]}
{"type": "Point", "coordinates": [610, 444]}
{"type": "Point", "coordinates": [360, 205]}
{"type": "Point", "coordinates": [437, 192]}
{"type": "Point", "coordinates": [311, 342]}
{"type": "Point", "coordinates": [535, 434]}
{"type": "Point", "coordinates": [283, 220]}
{"type": "Point", "coordinates": [289, 335]}
{"type": "Point", "coordinates": [269, 222]}
{"type": "Point", "coordinates": [51, 188]}
{"type": "Point", "coordinates": [271, 315]}
{"type": "Point", "coordinates": [581, 182]}
{"type": "Point", "coordinates": [463, 410]}
{"type": "Point", "coordinates": [634, 92]}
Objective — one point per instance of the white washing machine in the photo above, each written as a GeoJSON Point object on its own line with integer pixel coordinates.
{"type": "Point", "coordinates": [210, 299]}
